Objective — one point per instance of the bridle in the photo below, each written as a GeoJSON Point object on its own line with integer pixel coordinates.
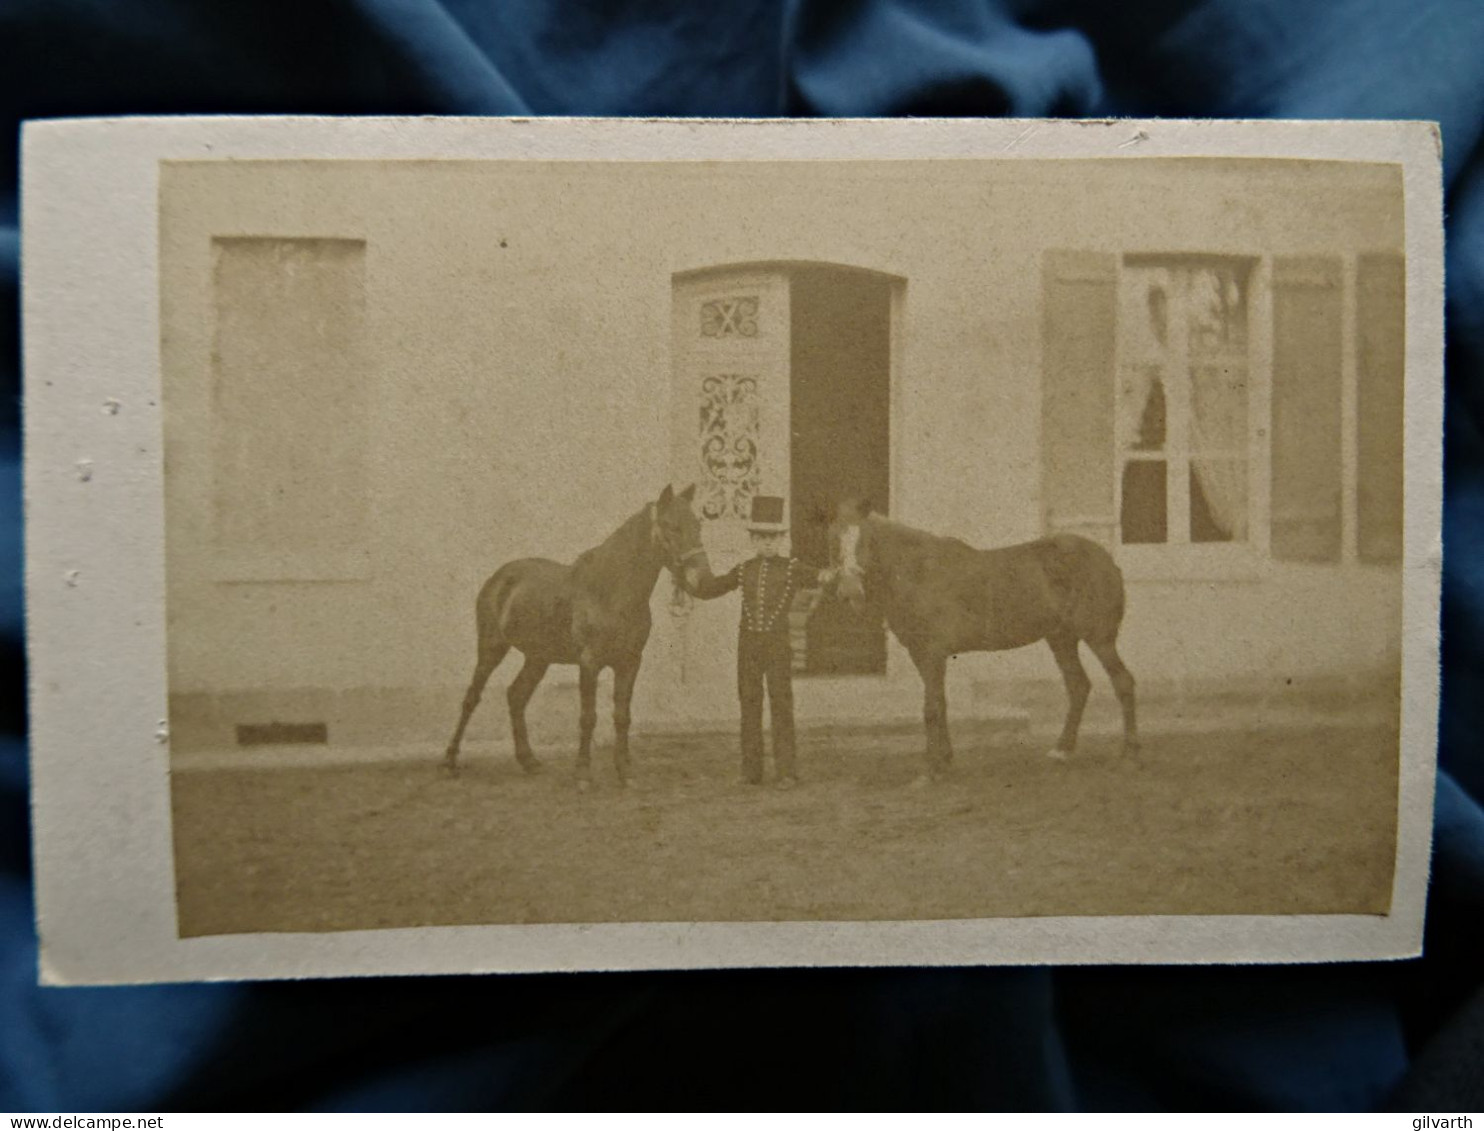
{"type": "Point", "coordinates": [850, 563]}
{"type": "Point", "coordinates": [674, 559]}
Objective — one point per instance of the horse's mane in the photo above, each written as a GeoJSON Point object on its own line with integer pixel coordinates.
{"type": "Point", "coordinates": [910, 538]}
{"type": "Point", "coordinates": [626, 533]}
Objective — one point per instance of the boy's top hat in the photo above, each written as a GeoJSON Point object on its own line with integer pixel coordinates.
{"type": "Point", "coordinates": [768, 515]}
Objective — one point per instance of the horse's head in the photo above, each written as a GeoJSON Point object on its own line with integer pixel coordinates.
{"type": "Point", "coordinates": [676, 533]}
{"type": "Point", "coordinates": [851, 552]}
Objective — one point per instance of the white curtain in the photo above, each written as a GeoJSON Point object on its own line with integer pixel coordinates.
{"type": "Point", "coordinates": [1218, 424]}
{"type": "Point", "coordinates": [1218, 397]}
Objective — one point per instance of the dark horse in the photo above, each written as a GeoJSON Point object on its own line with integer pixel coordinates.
{"type": "Point", "coordinates": [593, 613]}
{"type": "Point", "coordinates": [942, 597]}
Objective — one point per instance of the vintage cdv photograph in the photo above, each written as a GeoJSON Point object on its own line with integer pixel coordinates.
{"type": "Point", "coordinates": [516, 545]}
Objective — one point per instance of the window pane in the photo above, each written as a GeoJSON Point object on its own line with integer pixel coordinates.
{"type": "Point", "coordinates": [1141, 409]}
{"type": "Point", "coordinates": [1218, 409]}
{"type": "Point", "coordinates": [1144, 517]}
{"type": "Point", "coordinates": [1218, 310]}
{"type": "Point", "coordinates": [1218, 442]}
{"type": "Point", "coordinates": [1218, 499]}
{"type": "Point", "coordinates": [1144, 315]}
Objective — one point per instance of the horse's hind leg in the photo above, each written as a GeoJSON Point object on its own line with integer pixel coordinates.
{"type": "Point", "coordinates": [490, 655]}
{"type": "Point", "coordinates": [1123, 686]}
{"type": "Point", "coordinates": [522, 687]}
{"type": "Point", "coordinates": [1064, 648]}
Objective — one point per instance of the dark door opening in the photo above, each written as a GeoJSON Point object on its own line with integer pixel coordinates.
{"type": "Point", "coordinates": [840, 393]}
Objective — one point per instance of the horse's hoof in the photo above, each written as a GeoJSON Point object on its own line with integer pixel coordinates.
{"type": "Point", "coordinates": [788, 781]}
{"type": "Point", "coordinates": [529, 765]}
{"type": "Point", "coordinates": [584, 785]}
{"type": "Point", "coordinates": [921, 781]}
{"type": "Point", "coordinates": [624, 782]}
{"type": "Point", "coordinates": [1132, 750]}
{"type": "Point", "coordinates": [1057, 754]}
{"type": "Point", "coordinates": [450, 769]}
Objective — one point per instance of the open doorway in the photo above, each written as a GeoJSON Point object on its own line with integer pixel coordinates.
{"type": "Point", "coordinates": [840, 417]}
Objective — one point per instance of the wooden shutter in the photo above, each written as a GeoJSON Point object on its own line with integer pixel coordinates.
{"type": "Point", "coordinates": [1079, 339]}
{"type": "Point", "coordinates": [1380, 331]}
{"type": "Point", "coordinates": [1307, 469]}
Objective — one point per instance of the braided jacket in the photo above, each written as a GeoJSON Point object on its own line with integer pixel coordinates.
{"type": "Point", "coordinates": [769, 586]}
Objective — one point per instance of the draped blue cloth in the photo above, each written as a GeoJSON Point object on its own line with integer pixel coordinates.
{"type": "Point", "coordinates": [1363, 1036]}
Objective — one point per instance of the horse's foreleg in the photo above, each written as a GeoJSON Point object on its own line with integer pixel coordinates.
{"type": "Point", "coordinates": [1123, 686]}
{"type": "Point", "coordinates": [934, 671]}
{"type": "Point", "coordinates": [522, 687]}
{"type": "Point", "coordinates": [587, 682]}
{"type": "Point", "coordinates": [1064, 648]}
{"type": "Point", "coordinates": [624, 677]}
{"type": "Point", "coordinates": [490, 656]}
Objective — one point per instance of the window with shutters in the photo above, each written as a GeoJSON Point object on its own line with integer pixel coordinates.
{"type": "Point", "coordinates": [1208, 414]}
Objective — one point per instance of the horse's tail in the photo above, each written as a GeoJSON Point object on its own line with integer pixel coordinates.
{"type": "Point", "coordinates": [492, 648]}
{"type": "Point", "coordinates": [1089, 583]}
{"type": "Point", "coordinates": [489, 606]}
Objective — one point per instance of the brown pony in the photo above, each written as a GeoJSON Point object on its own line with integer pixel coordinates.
{"type": "Point", "coordinates": [942, 597]}
{"type": "Point", "coordinates": [593, 613]}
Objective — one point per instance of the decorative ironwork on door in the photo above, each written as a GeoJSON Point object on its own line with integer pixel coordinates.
{"type": "Point", "coordinates": [730, 317]}
{"type": "Point", "coordinates": [728, 445]}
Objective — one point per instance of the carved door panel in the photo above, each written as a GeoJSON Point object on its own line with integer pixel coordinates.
{"type": "Point", "coordinates": [730, 436]}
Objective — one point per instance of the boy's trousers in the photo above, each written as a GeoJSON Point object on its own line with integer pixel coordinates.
{"type": "Point", "coordinates": [766, 658]}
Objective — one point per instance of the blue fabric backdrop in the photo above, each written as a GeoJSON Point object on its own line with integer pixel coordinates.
{"type": "Point", "coordinates": [1337, 1037]}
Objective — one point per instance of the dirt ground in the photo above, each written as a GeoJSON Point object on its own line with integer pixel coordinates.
{"type": "Point", "coordinates": [1299, 819]}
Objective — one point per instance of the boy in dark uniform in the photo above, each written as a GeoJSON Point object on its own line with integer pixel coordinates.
{"type": "Point", "coordinates": [769, 584]}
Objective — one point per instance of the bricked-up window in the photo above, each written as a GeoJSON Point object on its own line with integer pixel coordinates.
{"type": "Point", "coordinates": [291, 398]}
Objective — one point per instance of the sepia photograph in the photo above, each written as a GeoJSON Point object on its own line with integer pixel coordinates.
{"type": "Point", "coordinates": [696, 541]}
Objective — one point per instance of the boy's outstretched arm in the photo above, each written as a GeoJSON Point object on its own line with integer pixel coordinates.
{"type": "Point", "coordinates": [808, 576]}
{"type": "Point", "coordinates": [718, 585]}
